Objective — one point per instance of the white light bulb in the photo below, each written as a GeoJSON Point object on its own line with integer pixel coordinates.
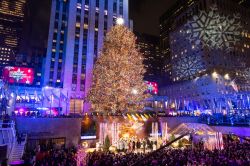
{"type": "Point", "coordinates": [119, 21]}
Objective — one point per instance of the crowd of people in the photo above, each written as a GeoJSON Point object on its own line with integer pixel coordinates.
{"type": "Point", "coordinates": [136, 145]}
{"type": "Point", "coordinates": [49, 156]}
{"type": "Point", "coordinates": [37, 114]}
{"type": "Point", "coordinates": [234, 154]}
{"type": "Point", "coordinates": [237, 119]}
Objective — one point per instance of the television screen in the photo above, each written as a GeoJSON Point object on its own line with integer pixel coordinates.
{"type": "Point", "coordinates": [152, 87]}
{"type": "Point", "coordinates": [22, 75]}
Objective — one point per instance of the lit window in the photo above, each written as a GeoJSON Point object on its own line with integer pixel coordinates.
{"type": "Point", "coordinates": [79, 6]}
{"type": "Point", "coordinates": [105, 12]}
{"type": "Point", "coordinates": [85, 26]}
{"type": "Point", "coordinates": [86, 7]}
{"type": "Point", "coordinates": [78, 25]}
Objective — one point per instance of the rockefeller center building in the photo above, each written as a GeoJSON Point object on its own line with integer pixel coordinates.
{"type": "Point", "coordinates": [76, 34]}
{"type": "Point", "coordinates": [153, 58]}
{"type": "Point", "coordinates": [11, 21]}
{"type": "Point", "coordinates": [208, 46]}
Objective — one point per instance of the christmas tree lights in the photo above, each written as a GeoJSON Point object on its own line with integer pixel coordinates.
{"type": "Point", "coordinates": [118, 74]}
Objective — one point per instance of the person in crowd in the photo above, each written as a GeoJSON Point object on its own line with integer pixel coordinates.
{"type": "Point", "coordinates": [51, 156]}
{"type": "Point", "coordinates": [234, 154]}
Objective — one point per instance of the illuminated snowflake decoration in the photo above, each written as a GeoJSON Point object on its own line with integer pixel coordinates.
{"type": "Point", "coordinates": [214, 30]}
{"type": "Point", "coordinates": [188, 67]}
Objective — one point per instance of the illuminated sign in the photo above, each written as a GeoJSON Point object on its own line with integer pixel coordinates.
{"type": "Point", "coordinates": [152, 87]}
{"type": "Point", "coordinates": [88, 137]}
{"type": "Point", "coordinates": [20, 75]}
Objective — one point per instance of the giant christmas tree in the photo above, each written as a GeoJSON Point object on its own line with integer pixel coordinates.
{"type": "Point", "coordinates": [118, 84]}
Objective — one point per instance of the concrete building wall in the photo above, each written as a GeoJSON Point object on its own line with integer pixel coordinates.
{"type": "Point", "coordinates": [45, 128]}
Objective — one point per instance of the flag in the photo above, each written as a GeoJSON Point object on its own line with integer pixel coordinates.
{"type": "Point", "coordinates": [215, 103]}
{"type": "Point", "coordinates": [54, 95]}
{"type": "Point", "coordinates": [248, 101]}
{"type": "Point", "coordinates": [234, 85]}
{"type": "Point", "coordinates": [45, 96]}
{"type": "Point", "coordinates": [36, 96]}
{"type": "Point", "coordinates": [175, 103]}
{"type": "Point", "coordinates": [27, 97]}
{"type": "Point", "coordinates": [63, 97]}
{"type": "Point", "coordinates": [230, 105]}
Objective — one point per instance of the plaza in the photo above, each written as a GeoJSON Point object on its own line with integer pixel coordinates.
{"type": "Point", "coordinates": [124, 82]}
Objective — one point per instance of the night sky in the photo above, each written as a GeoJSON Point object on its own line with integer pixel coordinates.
{"type": "Point", "coordinates": [144, 13]}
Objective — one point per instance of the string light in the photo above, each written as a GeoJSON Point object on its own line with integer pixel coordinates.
{"type": "Point", "coordinates": [118, 74]}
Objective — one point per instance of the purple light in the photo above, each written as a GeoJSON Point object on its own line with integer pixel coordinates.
{"type": "Point", "coordinates": [21, 110]}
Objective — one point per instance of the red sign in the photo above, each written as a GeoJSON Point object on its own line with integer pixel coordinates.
{"type": "Point", "coordinates": [152, 87]}
{"type": "Point", "coordinates": [21, 75]}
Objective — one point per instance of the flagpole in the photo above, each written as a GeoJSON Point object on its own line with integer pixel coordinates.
{"type": "Point", "coordinates": [74, 105]}
{"type": "Point", "coordinates": [67, 102]}
{"type": "Point", "coordinates": [60, 99]}
{"type": "Point", "coordinates": [50, 104]}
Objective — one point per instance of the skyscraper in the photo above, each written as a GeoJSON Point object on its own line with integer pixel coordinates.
{"type": "Point", "coordinates": [153, 58]}
{"type": "Point", "coordinates": [209, 44]}
{"type": "Point", "coordinates": [76, 34]}
{"type": "Point", "coordinates": [11, 20]}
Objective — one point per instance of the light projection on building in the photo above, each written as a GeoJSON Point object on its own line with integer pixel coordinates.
{"type": "Point", "coordinates": [188, 67]}
{"type": "Point", "coordinates": [214, 30]}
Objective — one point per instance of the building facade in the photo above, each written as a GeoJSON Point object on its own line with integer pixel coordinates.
{"type": "Point", "coordinates": [76, 34]}
{"type": "Point", "coordinates": [11, 21]}
{"type": "Point", "coordinates": [149, 47]}
{"type": "Point", "coordinates": [166, 21]}
{"type": "Point", "coordinates": [209, 44]}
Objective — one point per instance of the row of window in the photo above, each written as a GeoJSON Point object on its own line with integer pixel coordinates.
{"type": "Point", "coordinates": [60, 28]}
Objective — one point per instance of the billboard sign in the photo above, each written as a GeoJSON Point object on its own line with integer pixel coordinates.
{"type": "Point", "coordinates": [152, 87]}
{"type": "Point", "coordinates": [22, 75]}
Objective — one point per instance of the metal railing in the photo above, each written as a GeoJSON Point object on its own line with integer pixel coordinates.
{"type": "Point", "coordinates": [9, 128]}
{"type": "Point", "coordinates": [25, 141]}
{"type": "Point", "coordinates": [7, 125]}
